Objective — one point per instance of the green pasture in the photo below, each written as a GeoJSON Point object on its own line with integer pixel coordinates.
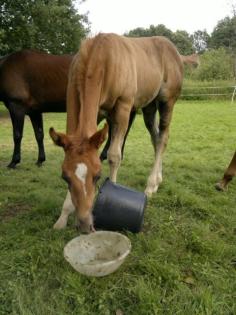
{"type": "Point", "coordinates": [184, 260]}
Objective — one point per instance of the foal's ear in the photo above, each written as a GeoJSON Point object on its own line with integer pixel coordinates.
{"type": "Point", "coordinates": [59, 138]}
{"type": "Point", "coordinates": [99, 137]}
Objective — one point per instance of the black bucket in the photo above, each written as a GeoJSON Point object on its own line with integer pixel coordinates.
{"type": "Point", "coordinates": [119, 208]}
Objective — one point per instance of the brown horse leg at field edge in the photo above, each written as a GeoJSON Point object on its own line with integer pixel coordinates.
{"type": "Point", "coordinates": [228, 175]}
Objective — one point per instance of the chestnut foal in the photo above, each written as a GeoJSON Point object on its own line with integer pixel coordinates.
{"type": "Point", "coordinates": [117, 75]}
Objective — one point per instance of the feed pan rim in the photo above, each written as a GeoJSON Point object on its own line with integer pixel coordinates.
{"type": "Point", "coordinates": [105, 263]}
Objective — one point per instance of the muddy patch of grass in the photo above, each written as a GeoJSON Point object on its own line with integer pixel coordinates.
{"type": "Point", "coordinates": [10, 211]}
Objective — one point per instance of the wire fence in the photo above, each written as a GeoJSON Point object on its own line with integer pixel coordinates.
{"type": "Point", "coordinates": [209, 92]}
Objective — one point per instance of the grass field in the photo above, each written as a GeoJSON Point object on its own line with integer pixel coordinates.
{"type": "Point", "coordinates": [184, 260]}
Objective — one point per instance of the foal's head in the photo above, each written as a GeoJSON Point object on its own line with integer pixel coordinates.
{"type": "Point", "coordinates": [81, 169]}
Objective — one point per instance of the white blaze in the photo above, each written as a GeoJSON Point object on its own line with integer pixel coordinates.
{"type": "Point", "coordinates": [81, 173]}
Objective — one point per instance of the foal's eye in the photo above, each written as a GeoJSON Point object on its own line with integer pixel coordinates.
{"type": "Point", "coordinates": [96, 178]}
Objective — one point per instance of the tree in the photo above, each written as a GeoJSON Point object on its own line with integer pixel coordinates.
{"type": "Point", "coordinates": [181, 39]}
{"type": "Point", "coordinates": [183, 42]}
{"type": "Point", "coordinates": [224, 34]}
{"type": "Point", "coordinates": [3, 47]}
{"type": "Point", "coordinates": [138, 32]}
{"type": "Point", "coordinates": [159, 30]}
{"type": "Point", "coordinates": [200, 41]}
{"type": "Point", "coordinates": [49, 25]}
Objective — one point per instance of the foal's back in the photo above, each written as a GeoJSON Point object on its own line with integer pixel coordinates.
{"type": "Point", "coordinates": [141, 68]}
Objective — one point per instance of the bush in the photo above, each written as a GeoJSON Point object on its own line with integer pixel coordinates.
{"type": "Point", "coordinates": [216, 64]}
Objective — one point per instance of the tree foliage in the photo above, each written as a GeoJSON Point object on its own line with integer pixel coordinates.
{"type": "Point", "coordinates": [218, 50]}
{"type": "Point", "coordinates": [56, 27]}
{"type": "Point", "coordinates": [181, 39]}
{"type": "Point", "coordinates": [200, 41]}
{"type": "Point", "coordinates": [224, 34]}
{"type": "Point", "coordinates": [183, 42]}
{"type": "Point", "coordinates": [50, 25]}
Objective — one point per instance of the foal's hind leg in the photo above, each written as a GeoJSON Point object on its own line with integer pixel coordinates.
{"type": "Point", "coordinates": [37, 123]}
{"type": "Point", "coordinates": [120, 122]}
{"type": "Point", "coordinates": [159, 140]}
{"type": "Point", "coordinates": [149, 116]}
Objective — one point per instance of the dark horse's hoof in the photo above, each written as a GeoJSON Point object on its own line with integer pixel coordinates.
{"type": "Point", "coordinates": [12, 165]}
{"type": "Point", "coordinates": [39, 163]}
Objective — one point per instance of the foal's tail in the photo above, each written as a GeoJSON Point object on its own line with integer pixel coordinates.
{"type": "Point", "coordinates": [192, 60]}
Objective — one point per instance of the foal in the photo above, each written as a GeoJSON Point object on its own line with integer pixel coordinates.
{"type": "Point", "coordinates": [118, 75]}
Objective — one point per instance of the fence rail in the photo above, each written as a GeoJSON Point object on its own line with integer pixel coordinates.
{"type": "Point", "coordinates": [209, 92]}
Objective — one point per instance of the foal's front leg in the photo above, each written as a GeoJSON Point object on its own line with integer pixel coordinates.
{"type": "Point", "coordinates": [67, 208]}
{"type": "Point", "coordinates": [120, 122]}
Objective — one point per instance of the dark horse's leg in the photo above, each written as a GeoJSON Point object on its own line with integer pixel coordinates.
{"type": "Point", "coordinates": [149, 116]}
{"type": "Point", "coordinates": [103, 155]}
{"type": "Point", "coordinates": [37, 123]}
{"type": "Point", "coordinates": [17, 114]}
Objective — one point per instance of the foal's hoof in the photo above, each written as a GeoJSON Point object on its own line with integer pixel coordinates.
{"type": "Point", "coordinates": [59, 225]}
{"type": "Point", "coordinates": [150, 190]}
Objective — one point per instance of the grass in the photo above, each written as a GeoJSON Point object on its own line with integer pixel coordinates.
{"type": "Point", "coordinates": [183, 262]}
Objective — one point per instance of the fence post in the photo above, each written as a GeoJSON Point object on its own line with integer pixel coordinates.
{"type": "Point", "coordinates": [233, 94]}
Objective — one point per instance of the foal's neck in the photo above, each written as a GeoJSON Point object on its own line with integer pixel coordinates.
{"type": "Point", "coordinates": [87, 124]}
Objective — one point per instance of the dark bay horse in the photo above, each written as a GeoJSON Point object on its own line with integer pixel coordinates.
{"type": "Point", "coordinates": [118, 75]}
{"type": "Point", "coordinates": [228, 175]}
{"type": "Point", "coordinates": [32, 82]}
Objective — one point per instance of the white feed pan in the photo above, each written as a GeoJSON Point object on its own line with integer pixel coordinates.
{"type": "Point", "coordinates": [97, 254]}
